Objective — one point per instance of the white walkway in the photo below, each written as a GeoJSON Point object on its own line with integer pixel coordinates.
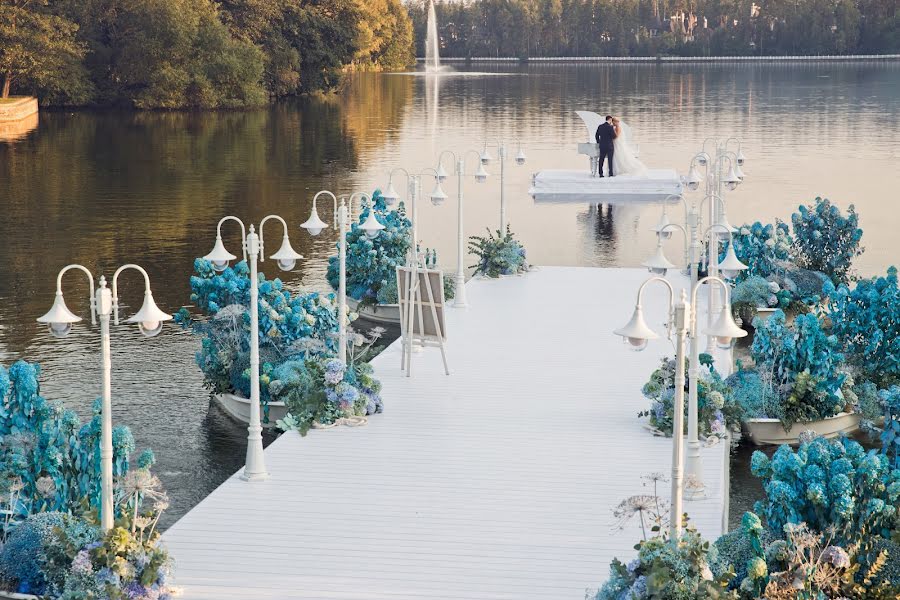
{"type": "Point", "coordinates": [496, 482]}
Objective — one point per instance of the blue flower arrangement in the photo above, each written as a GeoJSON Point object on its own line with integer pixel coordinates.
{"type": "Point", "coordinates": [498, 255]}
{"type": "Point", "coordinates": [867, 321]}
{"type": "Point", "coordinates": [825, 240]}
{"type": "Point", "coordinates": [762, 247]}
{"type": "Point", "coordinates": [292, 329]}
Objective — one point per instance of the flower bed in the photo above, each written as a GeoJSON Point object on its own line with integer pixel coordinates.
{"type": "Point", "coordinates": [498, 255]}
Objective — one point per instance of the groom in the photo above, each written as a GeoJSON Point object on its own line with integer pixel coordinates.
{"type": "Point", "coordinates": [605, 136]}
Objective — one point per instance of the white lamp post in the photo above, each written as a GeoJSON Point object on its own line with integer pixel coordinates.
{"type": "Point", "coordinates": [459, 300]}
{"type": "Point", "coordinates": [414, 183]}
{"type": "Point", "coordinates": [286, 258]}
{"type": "Point", "coordinates": [684, 321]}
{"type": "Point", "coordinates": [314, 225]}
{"type": "Point", "coordinates": [502, 154]}
{"type": "Point", "coordinates": [658, 264]}
{"type": "Point", "coordinates": [104, 303]}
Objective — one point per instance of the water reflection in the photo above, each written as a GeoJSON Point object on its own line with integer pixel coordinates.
{"type": "Point", "coordinates": [107, 188]}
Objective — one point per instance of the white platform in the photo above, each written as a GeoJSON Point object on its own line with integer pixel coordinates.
{"type": "Point", "coordinates": [495, 482]}
{"type": "Point", "coordinates": [579, 186]}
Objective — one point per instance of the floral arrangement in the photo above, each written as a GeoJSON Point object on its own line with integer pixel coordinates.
{"type": "Point", "coordinates": [825, 240]}
{"type": "Point", "coordinates": [867, 321]}
{"type": "Point", "coordinates": [762, 247]}
{"type": "Point", "coordinates": [800, 364]}
{"type": "Point", "coordinates": [498, 255]}
{"type": "Point", "coordinates": [751, 294]}
{"type": "Point", "coordinates": [718, 411]}
{"type": "Point", "coordinates": [292, 328]}
{"type": "Point", "coordinates": [49, 461]}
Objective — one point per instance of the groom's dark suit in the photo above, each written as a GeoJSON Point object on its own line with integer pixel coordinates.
{"type": "Point", "coordinates": [605, 136]}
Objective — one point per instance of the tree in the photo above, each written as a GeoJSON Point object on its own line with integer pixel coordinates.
{"type": "Point", "coordinates": [39, 51]}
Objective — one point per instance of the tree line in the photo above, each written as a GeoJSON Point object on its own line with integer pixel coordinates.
{"type": "Point", "coordinates": [536, 28]}
{"type": "Point", "coordinates": [194, 53]}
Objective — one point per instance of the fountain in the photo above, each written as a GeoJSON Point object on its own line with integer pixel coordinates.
{"type": "Point", "coordinates": [432, 42]}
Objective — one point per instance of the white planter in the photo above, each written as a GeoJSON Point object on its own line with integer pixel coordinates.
{"type": "Point", "coordinates": [15, 596]}
{"type": "Point", "coordinates": [377, 313]}
{"type": "Point", "coordinates": [765, 312]}
{"type": "Point", "coordinates": [770, 431]}
{"type": "Point", "coordinates": [238, 408]}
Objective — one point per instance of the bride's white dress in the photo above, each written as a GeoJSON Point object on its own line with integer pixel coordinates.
{"type": "Point", "coordinates": [625, 161]}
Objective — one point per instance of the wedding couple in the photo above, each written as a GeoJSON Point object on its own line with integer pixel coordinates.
{"type": "Point", "coordinates": [614, 141]}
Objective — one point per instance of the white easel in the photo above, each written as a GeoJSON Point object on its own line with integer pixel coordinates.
{"type": "Point", "coordinates": [421, 312]}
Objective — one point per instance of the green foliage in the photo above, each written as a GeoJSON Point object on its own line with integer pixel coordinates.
{"type": "Point", "coordinates": [40, 53]}
{"type": "Point", "coordinates": [825, 240]}
{"type": "Point", "coordinates": [754, 393]}
{"type": "Point", "coordinates": [761, 247]}
{"type": "Point", "coordinates": [500, 255]}
{"type": "Point", "coordinates": [731, 553]}
{"type": "Point", "coordinates": [802, 363]}
{"type": "Point", "coordinates": [867, 321]}
{"type": "Point", "coordinates": [718, 411]}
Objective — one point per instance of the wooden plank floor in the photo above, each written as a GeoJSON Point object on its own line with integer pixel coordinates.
{"type": "Point", "coordinates": [495, 482]}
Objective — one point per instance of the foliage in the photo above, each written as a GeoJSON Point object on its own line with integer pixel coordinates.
{"type": "Point", "coordinates": [755, 393]}
{"type": "Point", "coordinates": [532, 28]}
{"type": "Point", "coordinates": [49, 461]}
{"type": "Point", "coordinates": [751, 294]}
{"type": "Point", "coordinates": [731, 553]}
{"type": "Point", "coordinates": [718, 411]}
{"type": "Point", "coordinates": [500, 255]}
{"type": "Point", "coordinates": [867, 321]}
{"type": "Point", "coordinates": [825, 240]}
{"type": "Point", "coordinates": [761, 248]}
{"type": "Point", "coordinates": [802, 363]}
{"type": "Point", "coordinates": [831, 485]}
{"type": "Point", "coordinates": [40, 53]}
{"type": "Point", "coordinates": [292, 328]}
{"type": "Point", "coordinates": [890, 433]}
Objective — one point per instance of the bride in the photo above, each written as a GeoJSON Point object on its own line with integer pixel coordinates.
{"type": "Point", "coordinates": [625, 160]}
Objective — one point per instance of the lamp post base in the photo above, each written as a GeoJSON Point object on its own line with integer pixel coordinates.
{"type": "Point", "coordinates": [459, 292]}
{"type": "Point", "coordinates": [254, 476]}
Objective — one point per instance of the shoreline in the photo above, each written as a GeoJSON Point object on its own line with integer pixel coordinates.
{"type": "Point", "coordinates": [677, 59]}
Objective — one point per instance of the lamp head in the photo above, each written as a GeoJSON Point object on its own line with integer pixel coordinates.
{"type": "Point", "coordinates": [636, 334]}
{"type": "Point", "coordinates": [438, 195]}
{"type": "Point", "coordinates": [286, 258]}
{"type": "Point", "coordinates": [219, 256]}
{"type": "Point", "coordinates": [723, 228]}
{"type": "Point", "coordinates": [314, 225]}
{"type": "Point", "coordinates": [694, 179]}
{"type": "Point", "coordinates": [520, 157]}
{"type": "Point", "coordinates": [702, 159]}
{"type": "Point", "coordinates": [732, 180]}
{"type": "Point", "coordinates": [441, 174]}
{"type": "Point", "coordinates": [486, 156]}
{"type": "Point", "coordinates": [372, 227]}
{"type": "Point", "coordinates": [740, 158]}
{"type": "Point", "coordinates": [731, 266]}
{"type": "Point", "coordinates": [481, 174]}
{"type": "Point", "coordinates": [725, 330]}
{"type": "Point", "coordinates": [739, 172]}
{"type": "Point", "coordinates": [390, 196]}
{"type": "Point", "coordinates": [149, 318]}
{"type": "Point", "coordinates": [59, 318]}
{"type": "Point", "coordinates": [661, 228]}
{"type": "Point", "coordinates": [658, 264]}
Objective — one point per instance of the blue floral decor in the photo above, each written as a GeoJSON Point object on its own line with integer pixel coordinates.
{"type": "Point", "coordinates": [718, 413]}
{"type": "Point", "coordinates": [825, 240]}
{"type": "Point", "coordinates": [372, 263]}
{"type": "Point", "coordinates": [762, 247]}
{"type": "Point", "coordinates": [50, 492]}
{"type": "Point", "coordinates": [866, 320]}
{"type": "Point", "coordinates": [500, 254]}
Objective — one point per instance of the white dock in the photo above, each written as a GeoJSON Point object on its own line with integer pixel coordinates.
{"type": "Point", "coordinates": [579, 186]}
{"type": "Point", "coordinates": [495, 482]}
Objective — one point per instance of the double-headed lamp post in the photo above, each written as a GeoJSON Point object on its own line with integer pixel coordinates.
{"type": "Point", "coordinates": [486, 158]}
{"type": "Point", "coordinates": [730, 268]}
{"type": "Point", "coordinates": [683, 321]}
{"type": "Point", "coordinates": [104, 303]}
{"type": "Point", "coordinates": [315, 225]}
{"type": "Point", "coordinates": [438, 196]}
{"type": "Point", "coordinates": [459, 300]}
{"type": "Point", "coordinates": [286, 258]}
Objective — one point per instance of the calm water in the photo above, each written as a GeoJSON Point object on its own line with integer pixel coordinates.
{"type": "Point", "coordinates": [103, 189]}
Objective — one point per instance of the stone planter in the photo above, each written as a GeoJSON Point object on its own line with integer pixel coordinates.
{"type": "Point", "coordinates": [388, 314]}
{"type": "Point", "coordinates": [770, 431]}
{"type": "Point", "coordinates": [238, 408]}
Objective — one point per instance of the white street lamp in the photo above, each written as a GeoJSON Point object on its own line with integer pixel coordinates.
{"type": "Point", "coordinates": [286, 258]}
{"type": "Point", "coordinates": [371, 227]}
{"type": "Point", "coordinates": [481, 175]}
{"type": "Point", "coordinates": [684, 321]}
{"type": "Point", "coordinates": [103, 304]}
{"type": "Point", "coordinates": [501, 153]}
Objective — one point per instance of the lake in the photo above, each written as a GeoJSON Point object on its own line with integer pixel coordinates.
{"type": "Point", "coordinates": [107, 188]}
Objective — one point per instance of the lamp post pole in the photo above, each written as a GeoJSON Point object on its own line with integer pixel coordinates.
{"type": "Point", "coordinates": [104, 304]}
{"type": "Point", "coordinates": [502, 154]}
{"type": "Point", "coordinates": [252, 245]}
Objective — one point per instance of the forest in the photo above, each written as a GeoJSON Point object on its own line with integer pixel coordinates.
{"type": "Point", "coordinates": [537, 28]}
{"type": "Point", "coordinates": [194, 53]}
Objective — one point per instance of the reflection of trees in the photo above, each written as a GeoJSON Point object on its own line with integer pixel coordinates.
{"type": "Point", "coordinates": [374, 107]}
